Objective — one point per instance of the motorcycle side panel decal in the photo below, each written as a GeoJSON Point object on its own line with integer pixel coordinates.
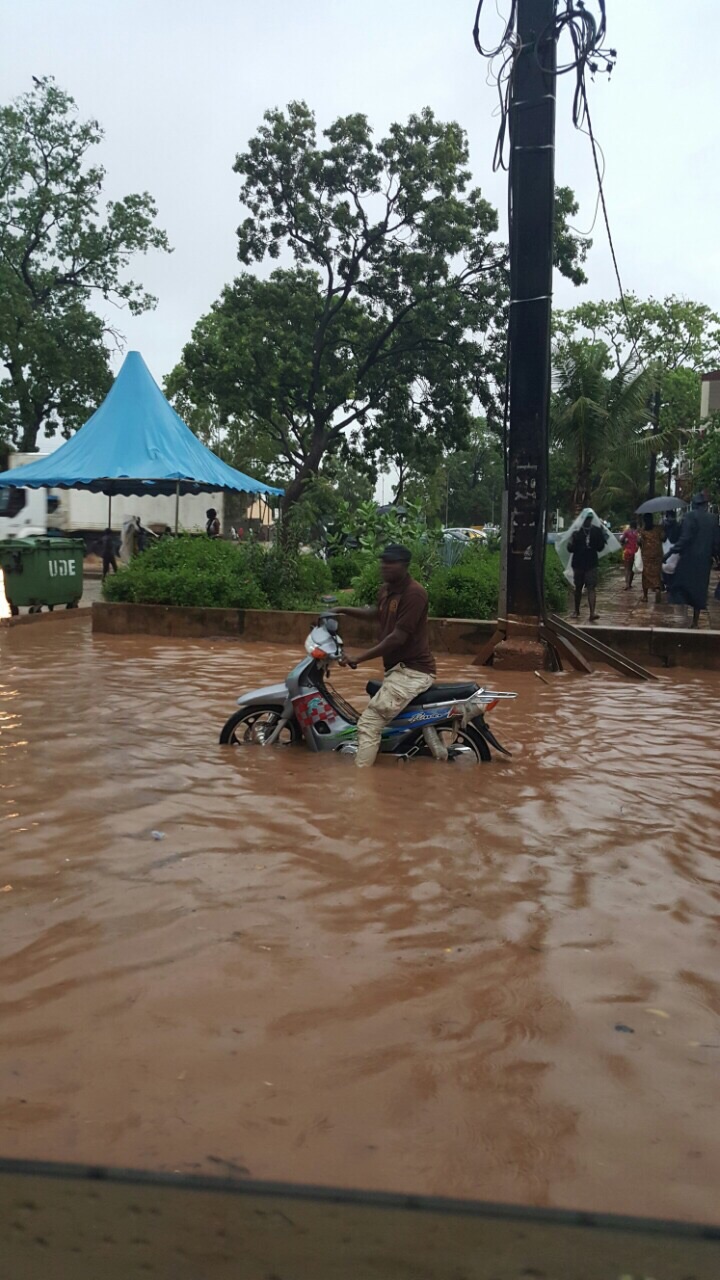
{"type": "Point", "coordinates": [312, 708]}
{"type": "Point", "coordinates": [426, 716]}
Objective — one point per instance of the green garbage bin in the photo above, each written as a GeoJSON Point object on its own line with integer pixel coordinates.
{"type": "Point", "coordinates": [42, 571]}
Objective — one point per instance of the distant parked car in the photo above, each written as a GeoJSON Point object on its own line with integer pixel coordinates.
{"type": "Point", "coordinates": [466, 535]}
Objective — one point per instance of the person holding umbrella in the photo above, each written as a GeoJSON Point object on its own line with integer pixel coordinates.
{"type": "Point", "coordinates": [698, 544]}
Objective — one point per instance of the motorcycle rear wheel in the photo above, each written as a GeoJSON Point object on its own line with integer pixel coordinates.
{"type": "Point", "coordinates": [252, 726]}
{"type": "Point", "coordinates": [469, 746]}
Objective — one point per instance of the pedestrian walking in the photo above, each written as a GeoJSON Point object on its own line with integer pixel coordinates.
{"type": "Point", "coordinates": [585, 546]}
{"type": "Point", "coordinates": [698, 544]}
{"type": "Point", "coordinates": [629, 541]}
{"type": "Point", "coordinates": [651, 549]}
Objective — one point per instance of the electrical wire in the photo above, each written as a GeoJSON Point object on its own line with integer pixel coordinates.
{"type": "Point", "coordinates": [601, 196]}
{"type": "Point", "coordinates": [586, 34]}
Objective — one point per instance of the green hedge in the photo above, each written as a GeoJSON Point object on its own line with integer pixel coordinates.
{"type": "Point", "coordinates": [206, 573]}
{"type": "Point", "coordinates": [197, 572]}
{"type": "Point", "coordinates": [465, 590]}
{"type": "Point", "coordinates": [344, 567]}
{"type": "Point", "coordinates": [200, 572]}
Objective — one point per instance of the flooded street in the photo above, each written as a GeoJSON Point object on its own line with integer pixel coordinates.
{"type": "Point", "coordinates": [498, 983]}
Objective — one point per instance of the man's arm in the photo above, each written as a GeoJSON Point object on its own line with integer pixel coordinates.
{"type": "Point", "coordinates": [370, 612]}
{"type": "Point", "coordinates": [395, 640]}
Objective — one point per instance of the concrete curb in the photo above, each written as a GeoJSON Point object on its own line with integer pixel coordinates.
{"type": "Point", "coordinates": [662, 647]}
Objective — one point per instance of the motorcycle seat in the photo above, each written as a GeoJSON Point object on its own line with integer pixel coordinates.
{"type": "Point", "coordinates": [436, 693]}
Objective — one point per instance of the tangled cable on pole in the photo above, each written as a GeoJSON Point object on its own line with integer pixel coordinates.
{"type": "Point", "coordinates": [586, 33]}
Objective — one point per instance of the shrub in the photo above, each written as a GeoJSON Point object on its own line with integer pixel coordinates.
{"type": "Point", "coordinates": [196, 572]}
{"type": "Point", "coordinates": [556, 584]}
{"type": "Point", "coordinates": [344, 567]}
{"type": "Point", "coordinates": [289, 579]}
{"type": "Point", "coordinates": [204, 573]}
{"type": "Point", "coordinates": [314, 578]}
{"type": "Point", "coordinates": [468, 589]}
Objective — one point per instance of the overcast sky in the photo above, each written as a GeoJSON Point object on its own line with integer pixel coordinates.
{"type": "Point", "coordinates": [179, 86]}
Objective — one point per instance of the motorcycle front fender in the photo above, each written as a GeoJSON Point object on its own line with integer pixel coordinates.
{"type": "Point", "coordinates": [277, 693]}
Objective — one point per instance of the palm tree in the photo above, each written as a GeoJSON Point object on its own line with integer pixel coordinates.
{"type": "Point", "coordinates": [595, 415]}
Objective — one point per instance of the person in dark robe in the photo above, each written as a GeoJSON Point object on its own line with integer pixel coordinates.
{"type": "Point", "coordinates": [699, 542]}
{"type": "Point", "coordinates": [108, 553]}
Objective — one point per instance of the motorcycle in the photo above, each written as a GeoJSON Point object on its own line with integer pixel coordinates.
{"type": "Point", "coordinates": [447, 722]}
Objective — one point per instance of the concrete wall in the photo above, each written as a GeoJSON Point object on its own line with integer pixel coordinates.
{"type": "Point", "coordinates": [664, 646]}
{"type": "Point", "coordinates": [653, 647]}
{"type": "Point", "coordinates": [709, 394]}
{"type": "Point", "coordinates": [451, 635]}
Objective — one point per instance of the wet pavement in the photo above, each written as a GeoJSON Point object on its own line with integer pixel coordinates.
{"type": "Point", "coordinates": [619, 607]}
{"type": "Point", "coordinates": [499, 983]}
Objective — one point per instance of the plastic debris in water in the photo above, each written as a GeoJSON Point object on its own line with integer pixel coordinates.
{"type": "Point", "coordinates": [620, 1026]}
{"type": "Point", "coordinates": [158, 835]}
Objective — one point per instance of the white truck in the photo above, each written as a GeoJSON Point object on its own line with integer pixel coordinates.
{"type": "Point", "coordinates": [30, 513]}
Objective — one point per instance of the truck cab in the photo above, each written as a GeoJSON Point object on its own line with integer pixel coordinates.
{"type": "Point", "coordinates": [23, 513]}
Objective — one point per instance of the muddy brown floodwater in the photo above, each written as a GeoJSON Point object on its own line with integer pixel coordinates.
{"type": "Point", "coordinates": [498, 983]}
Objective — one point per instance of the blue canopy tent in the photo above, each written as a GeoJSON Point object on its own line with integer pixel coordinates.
{"type": "Point", "coordinates": [135, 445]}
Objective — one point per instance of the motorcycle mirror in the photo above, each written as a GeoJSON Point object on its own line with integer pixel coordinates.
{"type": "Point", "coordinates": [331, 625]}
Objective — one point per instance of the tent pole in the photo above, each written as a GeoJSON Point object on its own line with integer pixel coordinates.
{"type": "Point", "coordinates": [109, 511]}
{"type": "Point", "coordinates": [177, 506]}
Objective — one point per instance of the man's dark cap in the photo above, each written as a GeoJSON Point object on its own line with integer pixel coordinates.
{"type": "Point", "coordinates": [395, 552]}
{"type": "Point", "coordinates": [699, 500]}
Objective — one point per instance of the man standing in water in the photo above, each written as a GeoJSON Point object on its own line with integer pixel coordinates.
{"type": "Point", "coordinates": [402, 614]}
{"type": "Point", "coordinates": [584, 546]}
{"type": "Point", "coordinates": [699, 541]}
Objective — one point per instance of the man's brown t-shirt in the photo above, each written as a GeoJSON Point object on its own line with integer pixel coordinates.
{"type": "Point", "coordinates": [406, 606]}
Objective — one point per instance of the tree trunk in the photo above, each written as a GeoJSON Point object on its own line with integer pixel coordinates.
{"type": "Point", "coordinates": [28, 439]}
{"type": "Point", "coordinates": [300, 481]}
{"type": "Point", "coordinates": [400, 488]}
{"type": "Point", "coordinates": [30, 416]}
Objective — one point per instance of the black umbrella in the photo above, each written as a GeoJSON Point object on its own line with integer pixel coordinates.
{"type": "Point", "coordinates": [661, 504]}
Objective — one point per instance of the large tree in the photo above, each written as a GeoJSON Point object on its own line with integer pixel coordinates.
{"type": "Point", "coordinates": [466, 487]}
{"type": "Point", "coordinates": [674, 340]}
{"type": "Point", "coordinates": [386, 331]}
{"type": "Point", "coordinates": [58, 252]}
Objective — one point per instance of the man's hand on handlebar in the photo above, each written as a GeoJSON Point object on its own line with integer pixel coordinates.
{"type": "Point", "coordinates": [347, 661]}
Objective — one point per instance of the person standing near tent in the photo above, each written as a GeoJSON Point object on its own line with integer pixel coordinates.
{"type": "Point", "coordinates": [629, 541]}
{"type": "Point", "coordinates": [128, 539]}
{"type": "Point", "coordinates": [651, 547]}
{"type": "Point", "coordinates": [585, 546]}
{"type": "Point", "coordinates": [108, 553]}
{"type": "Point", "coordinates": [212, 528]}
{"type": "Point", "coordinates": [699, 542]}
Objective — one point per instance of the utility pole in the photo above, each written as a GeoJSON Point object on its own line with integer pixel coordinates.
{"type": "Point", "coordinates": [532, 210]}
{"type": "Point", "coordinates": [525, 637]}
